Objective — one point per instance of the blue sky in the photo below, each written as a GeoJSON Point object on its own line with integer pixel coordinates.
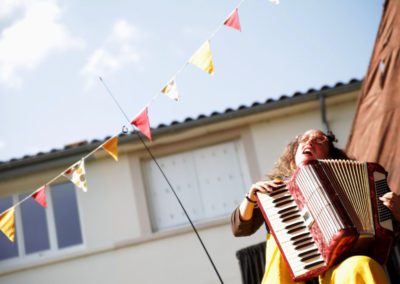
{"type": "Point", "coordinates": [52, 52]}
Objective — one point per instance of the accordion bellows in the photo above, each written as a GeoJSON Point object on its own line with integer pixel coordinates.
{"type": "Point", "coordinates": [329, 210]}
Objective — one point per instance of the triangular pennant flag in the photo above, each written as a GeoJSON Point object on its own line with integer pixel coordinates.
{"type": "Point", "coordinates": [203, 58]}
{"type": "Point", "coordinates": [111, 146]}
{"type": "Point", "coordinates": [7, 223]}
{"type": "Point", "coordinates": [233, 20]}
{"type": "Point", "coordinates": [141, 121]}
{"type": "Point", "coordinates": [40, 196]}
{"type": "Point", "coordinates": [76, 174]}
{"type": "Point", "coordinates": [171, 90]}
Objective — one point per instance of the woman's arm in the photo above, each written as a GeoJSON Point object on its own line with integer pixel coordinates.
{"type": "Point", "coordinates": [247, 218]}
{"type": "Point", "coordinates": [241, 227]}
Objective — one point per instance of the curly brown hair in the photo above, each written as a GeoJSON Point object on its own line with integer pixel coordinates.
{"type": "Point", "coordinates": [285, 166]}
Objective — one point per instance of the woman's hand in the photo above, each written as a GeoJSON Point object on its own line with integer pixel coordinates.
{"type": "Point", "coordinates": [247, 206]}
{"type": "Point", "coordinates": [265, 187]}
{"type": "Point", "coordinates": [392, 201]}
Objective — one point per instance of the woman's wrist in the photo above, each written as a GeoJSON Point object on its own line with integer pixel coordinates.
{"type": "Point", "coordinates": [249, 199]}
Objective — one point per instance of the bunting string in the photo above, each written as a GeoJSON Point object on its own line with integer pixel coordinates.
{"type": "Point", "coordinates": [56, 177]}
{"type": "Point", "coordinates": [203, 59]}
{"type": "Point", "coordinates": [175, 75]}
{"type": "Point", "coordinates": [173, 78]}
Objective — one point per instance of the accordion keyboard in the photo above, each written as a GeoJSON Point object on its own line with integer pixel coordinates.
{"type": "Point", "coordinates": [291, 229]}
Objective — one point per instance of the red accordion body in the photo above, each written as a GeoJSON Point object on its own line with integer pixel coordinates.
{"type": "Point", "coordinates": [329, 210]}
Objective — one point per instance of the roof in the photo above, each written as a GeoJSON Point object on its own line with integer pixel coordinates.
{"type": "Point", "coordinates": [77, 150]}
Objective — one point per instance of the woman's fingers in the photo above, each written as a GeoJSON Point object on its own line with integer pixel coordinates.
{"type": "Point", "coordinates": [266, 186]}
{"type": "Point", "coordinates": [259, 186]}
{"type": "Point", "coordinates": [392, 201]}
{"type": "Point", "coordinates": [275, 184]}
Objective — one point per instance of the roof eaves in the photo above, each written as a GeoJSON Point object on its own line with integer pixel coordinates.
{"type": "Point", "coordinates": [71, 154]}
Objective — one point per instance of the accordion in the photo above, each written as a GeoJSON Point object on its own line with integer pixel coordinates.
{"type": "Point", "coordinates": [329, 210]}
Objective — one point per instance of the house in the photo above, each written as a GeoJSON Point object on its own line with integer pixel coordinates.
{"type": "Point", "coordinates": [129, 227]}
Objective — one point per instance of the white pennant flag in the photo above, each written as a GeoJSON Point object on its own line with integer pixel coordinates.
{"type": "Point", "coordinates": [77, 175]}
{"type": "Point", "coordinates": [171, 90]}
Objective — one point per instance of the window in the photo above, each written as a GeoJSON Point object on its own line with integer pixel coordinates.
{"type": "Point", "coordinates": [7, 249]}
{"type": "Point", "coordinates": [209, 181]}
{"type": "Point", "coordinates": [40, 230]}
{"type": "Point", "coordinates": [66, 216]}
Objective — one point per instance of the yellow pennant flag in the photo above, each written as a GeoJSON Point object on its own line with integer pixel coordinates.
{"type": "Point", "coordinates": [171, 90]}
{"type": "Point", "coordinates": [7, 223]}
{"type": "Point", "coordinates": [77, 175]}
{"type": "Point", "coordinates": [111, 146]}
{"type": "Point", "coordinates": [203, 58]}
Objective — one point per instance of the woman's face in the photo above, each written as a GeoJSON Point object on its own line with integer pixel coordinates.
{"type": "Point", "coordinates": [313, 145]}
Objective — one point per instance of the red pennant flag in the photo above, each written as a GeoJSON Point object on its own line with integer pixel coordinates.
{"type": "Point", "coordinates": [233, 20]}
{"type": "Point", "coordinates": [141, 121]}
{"type": "Point", "coordinates": [40, 196]}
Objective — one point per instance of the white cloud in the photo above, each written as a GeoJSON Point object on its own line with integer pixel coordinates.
{"type": "Point", "coordinates": [123, 32]}
{"type": "Point", "coordinates": [31, 37]}
{"type": "Point", "coordinates": [116, 52]}
{"type": "Point", "coordinates": [9, 7]}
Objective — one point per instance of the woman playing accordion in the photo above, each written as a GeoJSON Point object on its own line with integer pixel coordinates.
{"type": "Point", "coordinates": [248, 218]}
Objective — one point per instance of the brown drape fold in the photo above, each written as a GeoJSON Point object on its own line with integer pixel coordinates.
{"type": "Point", "coordinates": [375, 134]}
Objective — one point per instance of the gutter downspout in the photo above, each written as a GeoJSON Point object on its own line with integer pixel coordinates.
{"type": "Point", "coordinates": [322, 107]}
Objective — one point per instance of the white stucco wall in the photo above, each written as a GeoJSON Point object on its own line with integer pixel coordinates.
{"type": "Point", "coordinates": [107, 210]}
{"type": "Point", "coordinates": [118, 244]}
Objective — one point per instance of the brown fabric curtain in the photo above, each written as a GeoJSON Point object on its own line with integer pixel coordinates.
{"type": "Point", "coordinates": [375, 134]}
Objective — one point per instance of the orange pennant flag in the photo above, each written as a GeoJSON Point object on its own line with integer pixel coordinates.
{"type": "Point", "coordinates": [203, 58]}
{"type": "Point", "coordinates": [7, 223]}
{"type": "Point", "coordinates": [111, 146]}
{"type": "Point", "coordinates": [40, 196]}
{"type": "Point", "coordinates": [141, 121]}
{"type": "Point", "coordinates": [233, 20]}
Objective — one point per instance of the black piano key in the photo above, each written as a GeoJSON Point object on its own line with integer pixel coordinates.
{"type": "Point", "coordinates": [310, 257]}
{"type": "Point", "coordinates": [289, 213]}
{"type": "Point", "coordinates": [300, 236]}
{"type": "Point", "coordinates": [296, 229]}
{"type": "Point", "coordinates": [313, 264]}
{"type": "Point", "coordinates": [302, 240]}
{"type": "Point", "coordinates": [294, 225]}
{"type": "Point", "coordinates": [303, 245]}
{"type": "Point", "coordinates": [291, 218]}
{"type": "Point", "coordinates": [278, 192]}
{"type": "Point", "coordinates": [284, 202]}
{"type": "Point", "coordinates": [281, 198]}
{"type": "Point", "coordinates": [308, 252]}
{"type": "Point", "coordinates": [287, 209]}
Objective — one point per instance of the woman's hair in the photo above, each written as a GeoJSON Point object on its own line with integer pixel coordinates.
{"type": "Point", "coordinates": [285, 166]}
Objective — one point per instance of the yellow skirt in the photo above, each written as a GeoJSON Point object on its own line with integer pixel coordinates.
{"type": "Point", "coordinates": [354, 270]}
